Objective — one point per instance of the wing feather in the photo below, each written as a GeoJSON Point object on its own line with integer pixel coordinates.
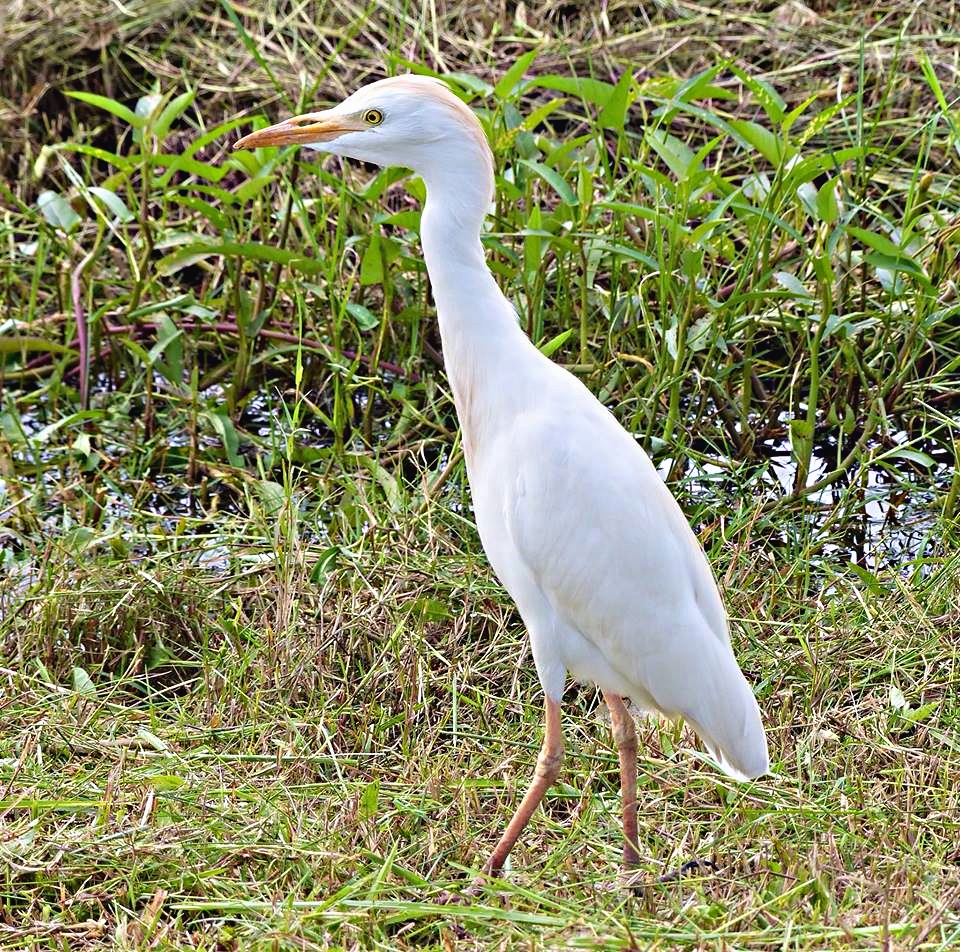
{"type": "Point", "coordinates": [614, 555]}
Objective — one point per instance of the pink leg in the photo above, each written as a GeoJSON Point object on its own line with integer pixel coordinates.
{"type": "Point", "coordinates": [548, 768]}
{"type": "Point", "coordinates": [625, 737]}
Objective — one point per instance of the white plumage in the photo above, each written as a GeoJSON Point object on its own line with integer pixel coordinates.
{"type": "Point", "coordinates": [611, 582]}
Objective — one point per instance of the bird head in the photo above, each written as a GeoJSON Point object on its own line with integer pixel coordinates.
{"type": "Point", "coordinates": [411, 121]}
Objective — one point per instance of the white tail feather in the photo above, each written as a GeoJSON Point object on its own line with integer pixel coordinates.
{"type": "Point", "coordinates": [714, 698]}
{"type": "Point", "coordinates": [727, 720]}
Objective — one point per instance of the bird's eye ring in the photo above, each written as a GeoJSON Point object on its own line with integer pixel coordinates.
{"type": "Point", "coordinates": [373, 117]}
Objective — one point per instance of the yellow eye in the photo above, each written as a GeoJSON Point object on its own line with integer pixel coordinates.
{"type": "Point", "coordinates": [373, 117]}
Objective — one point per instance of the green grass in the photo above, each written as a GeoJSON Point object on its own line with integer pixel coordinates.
{"type": "Point", "coordinates": [259, 687]}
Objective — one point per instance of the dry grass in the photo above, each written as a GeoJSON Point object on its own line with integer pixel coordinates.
{"type": "Point", "coordinates": [321, 782]}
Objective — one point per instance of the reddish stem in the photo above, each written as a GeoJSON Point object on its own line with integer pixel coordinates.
{"type": "Point", "coordinates": [224, 327]}
{"type": "Point", "coordinates": [81, 320]}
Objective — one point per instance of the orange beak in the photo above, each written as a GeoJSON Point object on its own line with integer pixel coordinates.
{"type": "Point", "coordinates": [302, 130]}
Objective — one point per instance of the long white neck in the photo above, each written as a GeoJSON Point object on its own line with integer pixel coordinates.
{"type": "Point", "coordinates": [478, 325]}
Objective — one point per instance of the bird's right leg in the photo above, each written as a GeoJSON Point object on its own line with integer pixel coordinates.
{"type": "Point", "coordinates": [547, 771]}
{"type": "Point", "coordinates": [625, 737]}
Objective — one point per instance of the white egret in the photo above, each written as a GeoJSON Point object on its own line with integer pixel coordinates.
{"type": "Point", "coordinates": [609, 578]}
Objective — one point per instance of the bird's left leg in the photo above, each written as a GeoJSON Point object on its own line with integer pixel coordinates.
{"type": "Point", "coordinates": [625, 737]}
{"type": "Point", "coordinates": [547, 771]}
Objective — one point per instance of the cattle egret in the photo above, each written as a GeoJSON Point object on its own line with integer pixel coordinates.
{"type": "Point", "coordinates": [607, 574]}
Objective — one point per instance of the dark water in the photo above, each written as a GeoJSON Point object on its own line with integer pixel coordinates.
{"type": "Point", "coordinates": [888, 520]}
{"type": "Point", "coordinates": [877, 517]}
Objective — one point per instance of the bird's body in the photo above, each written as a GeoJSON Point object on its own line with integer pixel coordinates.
{"type": "Point", "coordinates": [637, 610]}
{"type": "Point", "coordinates": [608, 577]}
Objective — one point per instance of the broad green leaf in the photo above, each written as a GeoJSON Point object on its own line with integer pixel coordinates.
{"type": "Point", "coordinates": [470, 83]}
{"type": "Point", "coordinates": [57, 211]}
{"type": "Point", "coordinates": [761, 139]}
{"type": "Point", "coordinates": [171, 264]}
{"type": "Point", "coordinates": [272, 495]}
{"type": "Point", "coordinates": [801, 438]}
{"type": "Point", "coordinates": [512, 117]}
{"type": "Point", "coordinates": [433, 609]}
{"type": "Point", "coordinates": [533, 119]}
{"type": "Point", "coordinates": [552, 178]}
{"type": "Point", "coordinates": [807, 193]}
{"type": "Point", "coordinates": [324, 564]}
{"type": "Point", "coordinates": [585, 185]}
{"type": "Point", "coordinates": [629, 208]}
{"type": "Point", "coordinates": [369, 799]}
{"type": "Point", "coordinates": [139, 352]}
{"type": "Point", "coordinates": [184, 163]}
{"type": "Point", "coordinates": [380, 182]}
{"type": "Point", "coordinates": [409, 219]}
{"type": "Point", "coordinates": [879, 243]}
{"type": "Point", "coordinates": [258, 252]}
{"type": "Point", "coordinates": [250, 189]}
{"type": "Point", "coordinates": [902, 264]}
{"type": "Point", "coordinates": [594, 91]}
{"type": "Point", "coordinates": [614, 112]}
{"type": "Point", "coordinates": [151, 739]}
{"type": "Point", "coordinates": [77, 539]}
{"type": "Point", "coordinates": [615, 248]}
{"type": "Point", "coordinates": [81, 446]}
{"type": "Point", "coordinates": [207, 209]}
{"type": "Point", "coordinates": [415, 188]}
{"type": "Point", "coordinates": [42, 436]}
{"type": "Point", "coordinates": [365, 318]}
{"type": "Point", "coordinates": [790, 282]}
{"type": "Point", "coordinates": [371, 264]}
{"type": "Point", "coordinates": [110, 105]}
{"type": "Point", "coordinates": [165, 782]}
{"type": "Point", "coordinates": [828, 208]}
{"type": "Point", "coordinates": [512, 76]}
{"type": "Point", "coordinates": [676, 155]}
{"type": "Point", "coordinates": [386, 479]}
{"type": "Point", "coordinates": [915, 456]}
{"type": "Point", "coordinates": [172, 111]}
{"type": "Point", "coordinates": [113, 202]}
{"type": "Point", "coordinates": [83, 683]}
{"type": "Point", "coordinates": [224, 428]}
{"type": "Point", "coordinates": [16, 345]}
{"type": "Point", "coordinates": [555, 343]}
{"type": "Point", "coordinates": [525, 144]}
{"type": "Point", "coordinates": [169, 346]}
{"type": "Point", "coordinates": [701, 333]}
{"type": "Point", "coordinates": [922, 713]}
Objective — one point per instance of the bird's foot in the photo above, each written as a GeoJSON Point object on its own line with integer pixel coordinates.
{"type": "Point", "coordinates": [634, 879]}
{"type": "Point", "coordinates": [447, 897]}
{"type": "Point", "coordinates": [461, 898]}
{"type": "Point", "coordinates": [691, 867]}
{"type": "Point", "coordinates": [631, 875]}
